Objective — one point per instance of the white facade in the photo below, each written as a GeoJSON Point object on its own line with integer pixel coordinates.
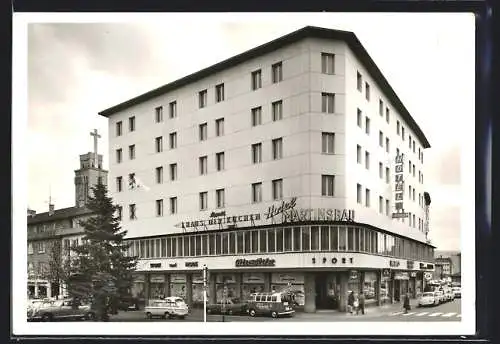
{"type": "Point", "coordinates": [302, 163]}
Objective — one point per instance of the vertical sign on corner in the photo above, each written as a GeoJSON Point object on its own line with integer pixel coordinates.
{"type": "Point", "coordinates": [399, 187]}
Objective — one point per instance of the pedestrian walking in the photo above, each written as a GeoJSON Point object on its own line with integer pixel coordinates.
{"type": "Point", "coordinates": [350, 302]}
{"type": "Point", "coordinates": [406, 303]}
{"type": "Point", "coordinates": [356, 303]}
{"type": "Point", "coordinates": [361, 303]}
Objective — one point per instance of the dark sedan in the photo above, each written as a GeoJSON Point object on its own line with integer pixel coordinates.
{"type": "Point", "coordinates": [229, 306]}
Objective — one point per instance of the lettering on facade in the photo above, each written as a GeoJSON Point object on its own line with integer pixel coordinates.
{"type": "Point", "coordinates": [155, 265]}
{"type": "Point", "coordinates": [172, 265]}
{"type": "Point", "coordinates": [217, 219]}
{"type": "Point", "coordinates": [424, 266]}
{"type": "Point", "coordinates": [191, 264]}
{"type": "Point", "coordinates": [394, 263]}
{"type": "Point", "coordinates": [255, 262]}
{"type": "Point", "coordinates": [334, 260]}
{"type": "Point", "coordinates": [399, 188]}
{"type": "Point", "coordinates": [413, 274]}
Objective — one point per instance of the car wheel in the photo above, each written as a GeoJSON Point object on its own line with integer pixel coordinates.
{"type": "Point", "coordinates": [252, 312]}
{"type": "Point", "coordinates": [47, 317]}
{"type": "Point", "coordinates": [90, 316]}
{"type": "Point", "coordinates": [149, 315]}
{"type": "Point", "coordinates": [274, 314]}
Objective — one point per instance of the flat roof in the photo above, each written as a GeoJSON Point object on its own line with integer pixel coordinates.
{"type": "Point", "coordinates": [306, 32]}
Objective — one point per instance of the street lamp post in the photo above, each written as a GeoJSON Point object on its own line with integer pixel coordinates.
{"type": "Point", "coordinates": [205, 273]}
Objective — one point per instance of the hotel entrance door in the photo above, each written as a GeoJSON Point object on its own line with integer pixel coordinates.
{"type": "Point", "coordinates": [327, 290]}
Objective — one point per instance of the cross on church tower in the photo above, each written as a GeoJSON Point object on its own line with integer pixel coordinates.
{"type": "Point", "coordinates": [96, 137]}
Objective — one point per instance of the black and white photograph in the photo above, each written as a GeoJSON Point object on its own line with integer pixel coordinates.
{"type": "Point", "coordinates": [177, 172]}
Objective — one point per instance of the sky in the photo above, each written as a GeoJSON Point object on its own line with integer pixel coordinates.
{"type": "Point", "coordinates": [77, 69]}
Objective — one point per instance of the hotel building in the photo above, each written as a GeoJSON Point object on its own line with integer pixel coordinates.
{"type": "Point", "coordinates": [278, 168]}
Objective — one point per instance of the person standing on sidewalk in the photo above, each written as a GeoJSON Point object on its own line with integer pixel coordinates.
{"type": "Point", "coordinates": [350, 302]}
{"type": "Point", "coordinates": [361, 304]}
{"type": "Point", "coordinates": [406, 303]}
{"type": "Point", "coordinates": [356, 303]}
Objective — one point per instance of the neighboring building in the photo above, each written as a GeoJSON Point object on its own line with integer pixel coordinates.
{"type": "Point", "coordinates": [450, 265]}
{"type": "Point", "coordinates": [275, 168]}
{"type": "Point", "coordinates": [444, 271]}
{"type": "Point", "coordinates": [51, 233]}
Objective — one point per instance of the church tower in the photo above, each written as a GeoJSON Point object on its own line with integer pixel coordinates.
{"type": "Point", "coordinates": [89, 174]}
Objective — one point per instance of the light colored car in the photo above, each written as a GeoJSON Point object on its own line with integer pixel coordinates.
{"type": "Point", "coordinates": [428, 299]}
{"type": "Point", "coordinates": [440, 296]}
{"type": "Point", "coordinates": [170, 307]}
{"type": "Point", "coordinates": [60, 309]}
{"type": "Point", "coordinates": [457, 292]}
{"type": "Point", "coordinates": [448, 292]}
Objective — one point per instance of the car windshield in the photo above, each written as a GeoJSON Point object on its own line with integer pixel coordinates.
{"type": "Point", "coordinates": [428, 294]}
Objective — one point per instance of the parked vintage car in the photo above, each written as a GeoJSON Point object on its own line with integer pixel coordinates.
{"type": "Point", "coordinates": [228, 306]}
{"type": "Point", "coordinates": [273, 304]}
{"type": "Point", "coordinates": [170, 307]}
{"type": "Point", "coordinates": [457, 292]}
{"type": "Point", "coordinates": [428, 299]}
{"type": "Point", "coordinates": [448, 292]}
{"type": "Point", "coordinates": [128, 304]}
{"type": "Point", "coordinates": [60, 309]}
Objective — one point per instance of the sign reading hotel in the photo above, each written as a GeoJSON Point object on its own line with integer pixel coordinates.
{"type": "Point", "coordinates": [399, 189]}
{"type": "Point", "coordinates": [285, 212]}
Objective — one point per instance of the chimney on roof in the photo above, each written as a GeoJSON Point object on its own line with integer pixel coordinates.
{"type": "Point", "coordinates": [51, 209]}
{"type": "Point", "coordinates": [31, 212]}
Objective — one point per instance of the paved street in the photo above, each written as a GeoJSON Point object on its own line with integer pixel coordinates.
{"type": "Point", "coordinates": [450, 311]}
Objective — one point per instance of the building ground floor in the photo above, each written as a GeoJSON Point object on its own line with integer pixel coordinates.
{"type": "Point", "coordinates": [318, 281]}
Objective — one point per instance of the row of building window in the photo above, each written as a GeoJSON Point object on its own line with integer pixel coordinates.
{"type": "Point", "coordinates": [412, 143]}
{"type": "Point", "coordinates": [279, 240]}
{"type": "Point", "coordinates": [37, 246]}
{"type": "Point", "coordinates": [327, 67]}
{"type": "Point", "coordinates": [411, 167]}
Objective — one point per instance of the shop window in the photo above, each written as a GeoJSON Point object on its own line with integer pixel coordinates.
{"type": "Point", "coordinates": [225, 243]}
{"type": "Point", "coordinates": [271, 240]}
{"type": "Point", "coordinates": [334, 238]}
{"type": "Point", "coordinates": [306, 238]}
{"type": "Point", "coordinates": [314, 238]}
{"type": "Point", "coordinates": [211, 244]}
{"type": "Point", "coordinates": [288, 234]}
{"type": "Point", "coordinates": [232, 242]}
{"type": "Point", "coordinates": [370, 285]}
{"type": "Point", "coordinates": [239, 242]}
{"type": "Point", "coordinates": [325, 240]}
{"type": "Point", "coordinates": [342, 239]}
{"type": "Point", "coordinates": [248, 242]}
{"type": "Point", "coordinates": [350, 239]}
{"type": "Point", "coordinates": [255, 241]}
{"type": "Point", "coordinates": [279, 240]}
{"type": "Point", "coordinates": [296, 239]}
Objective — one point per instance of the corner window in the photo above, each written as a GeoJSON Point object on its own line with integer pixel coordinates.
{"type": "Point", "coordinates": [328, 143]}
{"type": "Point", "coordinates": [327, 102]}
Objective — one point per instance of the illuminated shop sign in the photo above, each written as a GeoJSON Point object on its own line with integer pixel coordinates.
{"type": "Point", "coordinates": [220, 221]}
{"type": "Point", "coordinates": [255, 262]}
{"type": "Point", "coordinates": [333, 260]}
{"type": "Point", "coordinates": [155, 265]}
{"type": "Point", "coordinates": [399, 188]}
{"type": "Point", "coordinates": [428, 276]}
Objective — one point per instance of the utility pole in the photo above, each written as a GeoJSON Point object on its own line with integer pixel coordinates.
{"type": "Point", "coordinates": [205, 275]}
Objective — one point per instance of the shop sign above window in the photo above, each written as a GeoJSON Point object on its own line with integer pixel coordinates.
{"type": "Point", "coordinates": [386, 273]}
{"type": "Point", "coordinates": [332, 260]}
{"type": "Point", "coordinates": [410, 264]}
{"type": "Point", "coordinates": [155, 265]}
{"type": "Point", "coordinates": [255, 262]}
{"type": "Point", "coordinates": [394, 263]}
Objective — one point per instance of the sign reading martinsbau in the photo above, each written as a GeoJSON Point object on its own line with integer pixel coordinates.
{"type": "Point", "coordinates": [284, 212]}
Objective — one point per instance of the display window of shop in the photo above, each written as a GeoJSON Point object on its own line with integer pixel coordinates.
{"type": "Point", "coordinates": [384, 290]}
{"type": "Point", "coordinates": [251, 282]}
{"type": "Point", "coordinates": [225, 281]}
{"type": "Point", "coordinates": [138, 287]}
{"type": "Point", "coordinates": [157, 287]}
{"type": "Point", "coordinates": [178, 285]}
{"type": "Point", "coordinates": [293, 282]}
{"type": "Point", "coordinates": [353, 285]}
{"type": "Point", "coordinates": [197, 288]}
{"type": "Point", "coordinates": [370, 285]}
